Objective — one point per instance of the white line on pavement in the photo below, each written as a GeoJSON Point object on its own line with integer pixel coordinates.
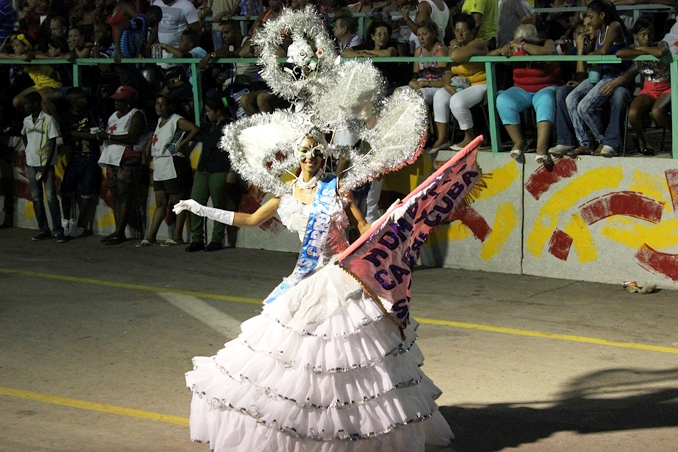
{"type": "Point", "coordinates": [205, 313]}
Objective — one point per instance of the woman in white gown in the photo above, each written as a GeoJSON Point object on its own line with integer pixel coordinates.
{"type": "Point", "coordinates": [323, 367]}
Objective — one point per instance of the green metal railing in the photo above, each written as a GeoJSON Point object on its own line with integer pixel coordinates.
{"type": "Point", "coordinates": [489, 63]}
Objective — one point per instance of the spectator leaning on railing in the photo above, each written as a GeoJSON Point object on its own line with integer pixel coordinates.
{"type": "Point", "coordinates": [132, 36]}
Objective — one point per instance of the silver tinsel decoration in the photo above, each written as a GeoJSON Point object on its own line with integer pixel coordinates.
{"type": "Point", "coordinates": [327, 96]}
{"type": "Point", "coordinates": [302, 81]}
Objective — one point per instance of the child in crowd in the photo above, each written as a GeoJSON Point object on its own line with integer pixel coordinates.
{"type": "Point", "coordinates": [655, 96]}
{"type": "Point", "coordinates": [40, 134]}
{"type": "Point", "coordinates": [83, 174]}
{"type": "Point", "coordinates": [45, 77]}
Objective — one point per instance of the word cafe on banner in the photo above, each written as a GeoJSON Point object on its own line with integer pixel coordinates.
{"type": "Point", "coordinates": [384, 257]}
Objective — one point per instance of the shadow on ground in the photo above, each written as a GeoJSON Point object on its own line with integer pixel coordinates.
{"type": "Point", "coordinates": [605, 401]}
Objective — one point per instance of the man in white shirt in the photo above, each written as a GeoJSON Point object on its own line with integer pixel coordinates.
{"type": "Point", "coordinates": [177, 15]}
{"type": "Point", "coordinates": [40, 135]}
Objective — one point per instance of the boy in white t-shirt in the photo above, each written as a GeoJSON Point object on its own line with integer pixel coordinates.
{"type": "Point", "coordinates": [40, 134]}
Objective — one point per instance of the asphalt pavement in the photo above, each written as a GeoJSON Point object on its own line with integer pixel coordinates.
{"type": "Point", "coordinates": [95, 340]}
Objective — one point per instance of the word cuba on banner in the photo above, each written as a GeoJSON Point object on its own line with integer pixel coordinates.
{"type": "Point", "coordinates": [384, 257]}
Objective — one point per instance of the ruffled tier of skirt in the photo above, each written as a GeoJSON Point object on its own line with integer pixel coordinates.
{"type": "Point", "coordinates": [350, 382]}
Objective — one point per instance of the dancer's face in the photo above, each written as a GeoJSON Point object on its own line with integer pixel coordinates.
{"type": "Point", "coordinates": [311, 155]}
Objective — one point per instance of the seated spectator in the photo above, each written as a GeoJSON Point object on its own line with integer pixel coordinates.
{"type": "Point", "coordinates": [655, 96]}
{"type": "Point", "coordinates": [346, 33]}
{"type": "Point", "coordinates": [379, 45]}
{"type": "Point", "coordinates": [604, 83]}
{"type": "Point", "coordinates": [189, 46]}
{"type": "Point", "coordinates": [132, 36]}
{"type": "Point", "coordinates": [78, 44]}
{"type": "Point", "coordinates": [58, 27]}
{"type": "Point", "coordinates": [102, 45]}
{"type": "Point", "coordinates": [214, 179]}
{"type": "Point", "coordinates": [427, 78]}
{"type": "Point", "coordinates": [452, 99]}
{"type": "Point", "coordinates": [172, 173]}
{"type": "Point", "coordinates": [260, 99]}
{"type": "Point", "coordinates": [82, 176]}
{"type": "Point", "coordinates": [121, 157]}
{"type": "Point", "coordinates": [177, 85]}
{"type": "Point", "coordinates": [534, 85]}
{"type": "Point", "coordinates": [45, 77]}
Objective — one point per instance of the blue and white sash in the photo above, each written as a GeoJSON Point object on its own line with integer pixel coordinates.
{"type": "Point", "coordinates": [314, 240]}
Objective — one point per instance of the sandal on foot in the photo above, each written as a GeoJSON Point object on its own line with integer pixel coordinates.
{"type": "Point", "coordinates": [172, 242]}
{"type": "Point", "coordinates": [515, 153]}
{"type": "Point", "coordinates": [145, 243]}
{"type": "Point", "coordinates": [542, 159]}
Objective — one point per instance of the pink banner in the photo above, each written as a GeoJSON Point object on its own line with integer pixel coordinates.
{"type": "Point", "coordinates": [383, 258]}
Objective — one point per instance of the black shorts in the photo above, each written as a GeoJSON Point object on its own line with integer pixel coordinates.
{"type": "Point", "coordinates": [82, 175]}
{"type": "Point", "coordinates": [181, 184]}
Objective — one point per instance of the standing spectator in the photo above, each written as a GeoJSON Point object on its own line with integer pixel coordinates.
{"type": "Point", "coordinates": [32, 16]}
{"type": "Point", "coordinates": [133, 36]}
{"type": "Point", "coordinates": [214, 178]}
{"type": "Point", "coordinates": [435, 11]}
{"type": "Point", "coordinates": [83, 175]}
{"type": "Point", "coordinates": [485, 13]}
{"type": "Point", "coordinates": [7, 184]}
{"type": "Point", "coordinates": [172, 173]}
{"type": "Point", "coordinates": [249, 8]}
{"type": "Point", "coordinates": [7, 19]}
{"type": "Point", "coordinates": [177, 15]}
{"type": "Point", "coordinates": [121, 158]}
{"type": "Point", "coordinates": [219, 10]}
{"type": "Point", "coordinates": [40, 135]}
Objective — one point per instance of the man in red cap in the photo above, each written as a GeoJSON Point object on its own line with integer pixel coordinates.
{"type": "Point", "coordinates": [121, 156]}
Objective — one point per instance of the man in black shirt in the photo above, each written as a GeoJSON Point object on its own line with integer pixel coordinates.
{"type": "Point", "coordinates": [83, 174]}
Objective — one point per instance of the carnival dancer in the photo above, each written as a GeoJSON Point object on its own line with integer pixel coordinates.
{"type": "Point", "coordinates": [331, 363]}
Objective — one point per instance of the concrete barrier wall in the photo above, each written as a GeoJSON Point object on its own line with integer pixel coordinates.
{"type": "Point", "coordinates": [590, 219]}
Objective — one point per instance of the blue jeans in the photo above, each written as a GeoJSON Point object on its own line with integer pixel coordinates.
{"type": "Point", "coordinates": [584, 105]}
{"type": "Point", "coordinates": [565, 131]}
{"type": "Point", "coordinates": [38, 195]}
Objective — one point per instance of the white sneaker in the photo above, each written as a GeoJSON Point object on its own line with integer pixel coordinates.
{"type": "Point", "coordinates": [607, 151]}
{"type": "Point", "coordinates": [560, 149]}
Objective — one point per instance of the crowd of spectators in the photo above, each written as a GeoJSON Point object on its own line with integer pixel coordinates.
{"type": "Point", "coordinates": [124, 116]}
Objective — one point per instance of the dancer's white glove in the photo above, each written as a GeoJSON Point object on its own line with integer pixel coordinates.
{"type": "Point", "coordinates": [222, 216]}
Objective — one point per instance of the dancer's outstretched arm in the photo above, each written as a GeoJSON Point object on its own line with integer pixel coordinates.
{"type": "Point", "coordinates": [240, 219]}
